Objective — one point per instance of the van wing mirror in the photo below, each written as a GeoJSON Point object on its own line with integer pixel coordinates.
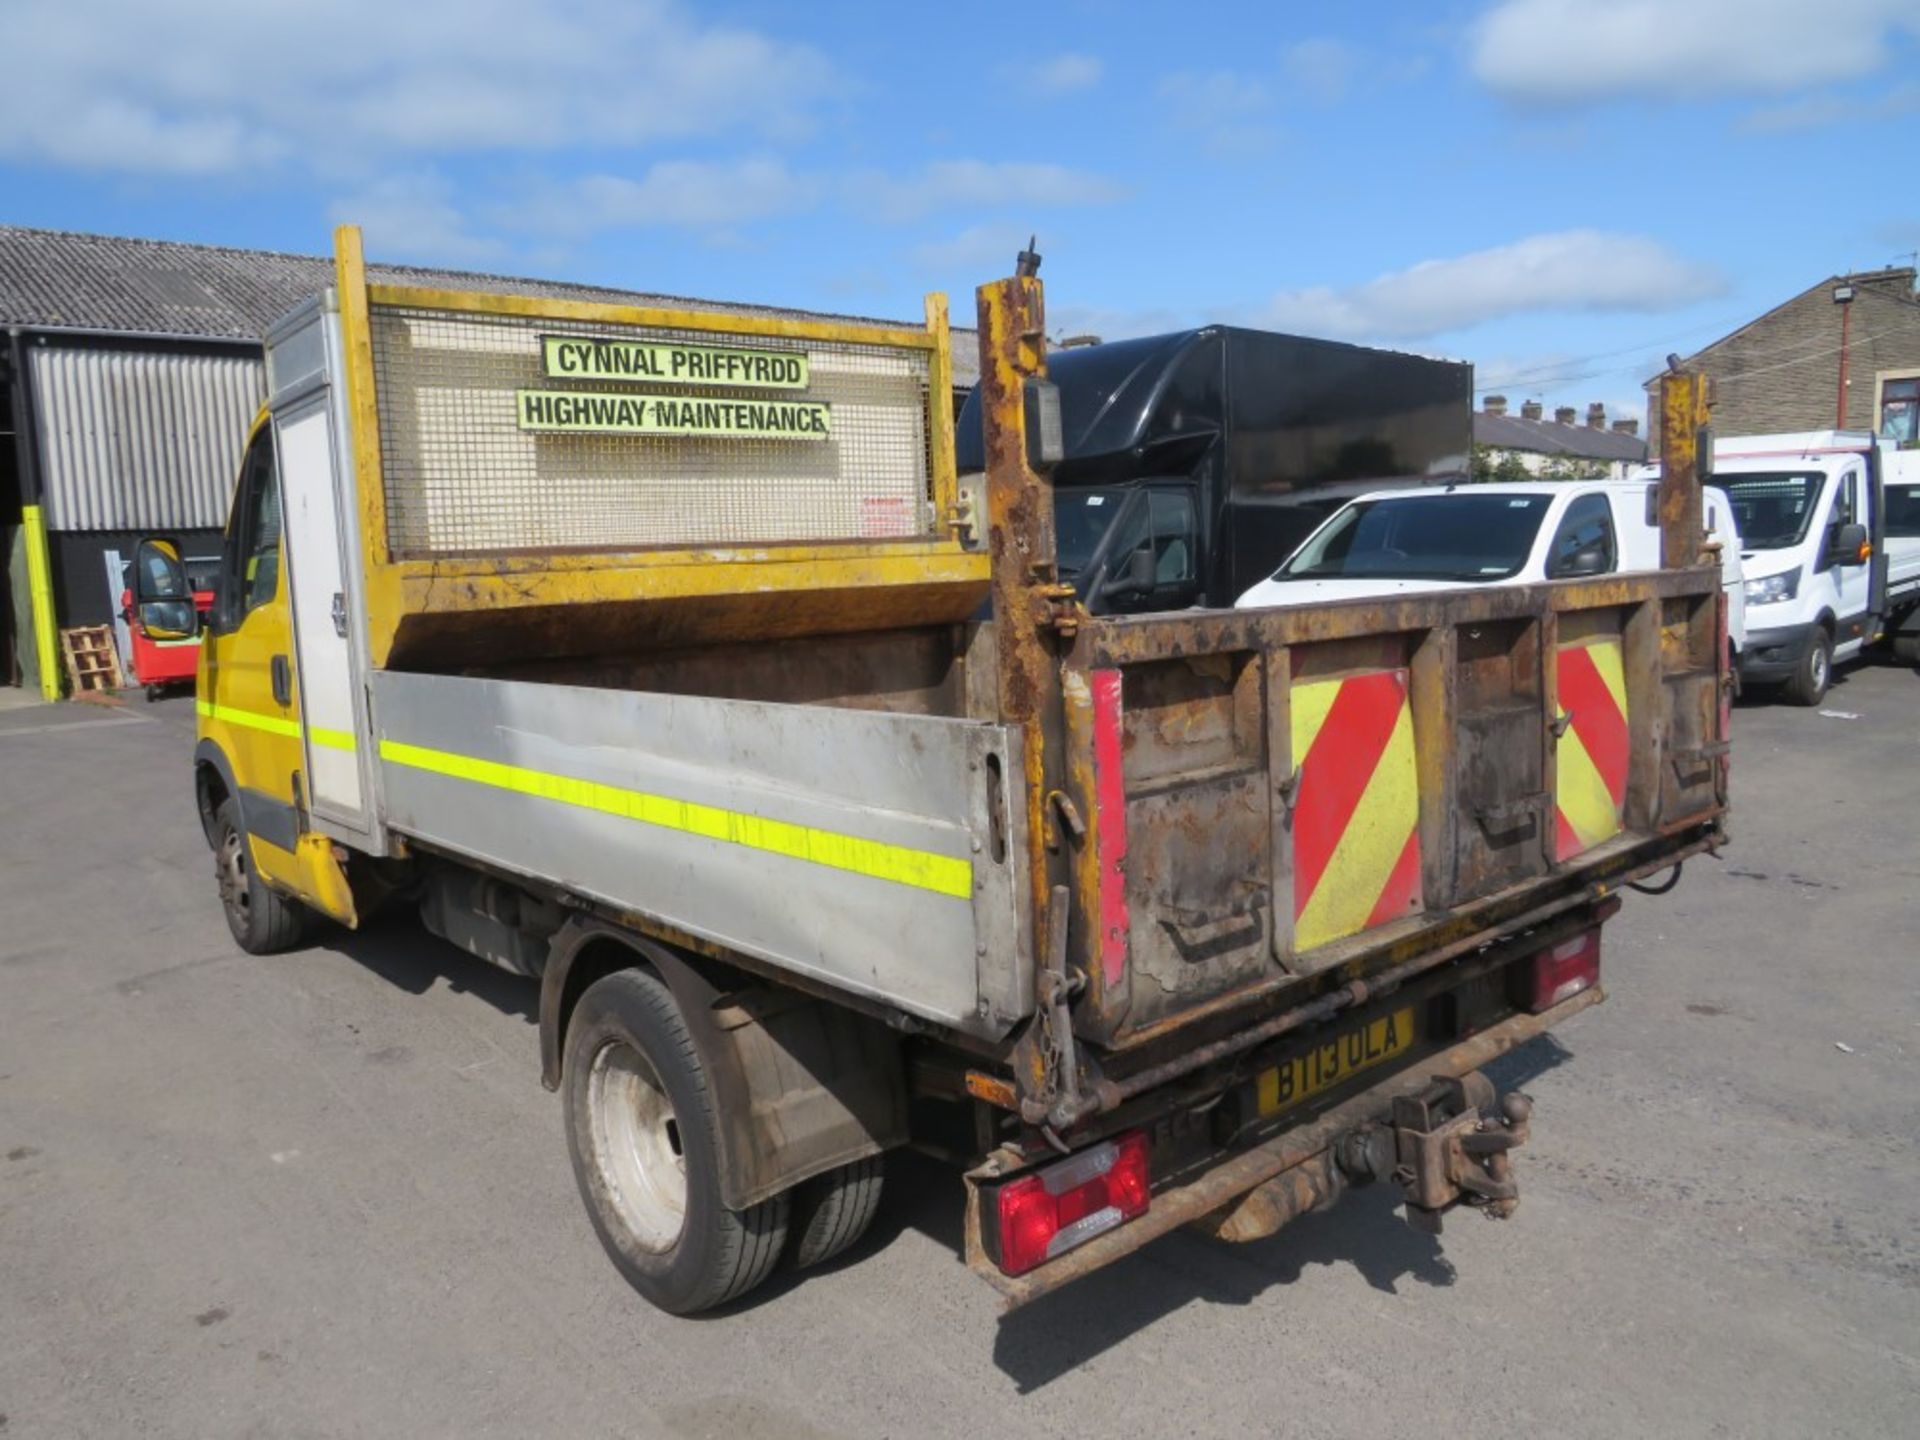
{"type": "Point", "coordinates": [162, 596]}
{"type": "Point", "coordinates": [168, 619]}
{"type": "Point", "coordinates": [158, 572]}
{"type": "Point", "coordinates": [1590, 561]}
{"type": "Point", "coordinates": [1138, 576]}
{"type": "Point", "coordinates": [1849, 546]}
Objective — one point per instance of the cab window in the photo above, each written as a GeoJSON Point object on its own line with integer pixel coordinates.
{"type": "Point", "coordinates": [1585, 530]}
{"type": "Point", "coordinates": [1173, 538]}
{"type": "Point", "coordinates": [1903, 512]}
{"type": "Point", "coordinates": [252, 559]}
{"type": "Point", "coordinates": [1161, 521]}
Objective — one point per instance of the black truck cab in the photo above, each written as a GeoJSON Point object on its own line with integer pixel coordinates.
{"type": "Point", "coordinates": [1197, 461]}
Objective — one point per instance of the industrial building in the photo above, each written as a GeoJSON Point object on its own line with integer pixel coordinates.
{"type": "Point", "coordinates": [131, 371]}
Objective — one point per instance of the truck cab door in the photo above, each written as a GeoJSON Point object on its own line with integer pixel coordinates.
{"type": "Point", "coordinates": [247, 701]}
{"type": "Point", "coordinates": [1847, 569]}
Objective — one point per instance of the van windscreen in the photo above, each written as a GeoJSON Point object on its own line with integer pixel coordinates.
{"type": "Point", "coordinates": [1772, 507]}
{"type": "Point", "coordinates": [1453, 536]}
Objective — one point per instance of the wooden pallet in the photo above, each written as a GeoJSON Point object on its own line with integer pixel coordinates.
{"type": "Point", "coordinates": [93, 664]}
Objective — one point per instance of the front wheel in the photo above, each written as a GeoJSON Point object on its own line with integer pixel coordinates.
{"type": "Point", "coordinates": [263, 921]}
{"type": "Point", "coordinates": [1809, 682]}
{"type": "Point", "coordinates": [644, 1135]}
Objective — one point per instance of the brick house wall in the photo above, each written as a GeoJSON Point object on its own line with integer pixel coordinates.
{"type": "Point", "coordinates": [1782, 371]}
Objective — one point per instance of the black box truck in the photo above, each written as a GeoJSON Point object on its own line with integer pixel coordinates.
{"type": "Point", "coordinates": [1210, 454]}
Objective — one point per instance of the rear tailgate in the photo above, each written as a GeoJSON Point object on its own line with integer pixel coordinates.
{"type": "Point", "coordinates": [1274, 795]}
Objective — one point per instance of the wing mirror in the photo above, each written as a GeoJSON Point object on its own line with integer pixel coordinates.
{"type": "Point", "coordinates": [1136, 579]}
{"type": "Point", "coordinates": [1850, 546]}
{"type": "Point", "coordinates": [162, 597]}
{"type": "Point", "coordinates": [1591, 561]}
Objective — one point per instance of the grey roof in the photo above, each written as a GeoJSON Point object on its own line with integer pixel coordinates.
{"type": "Point", "coordinates": [1546, 437]}
{"type": "Point", "coordinates": [66, 280]}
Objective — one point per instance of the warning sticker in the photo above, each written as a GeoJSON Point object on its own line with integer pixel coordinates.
{"type": "Point", "coordinates": [584, 412]}
{"type": "Point", "coordinates": [569, 357]}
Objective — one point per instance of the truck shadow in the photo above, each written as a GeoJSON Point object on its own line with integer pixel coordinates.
{"type": "Point", "coordinates": [400, 951]}
{"type": "Point", "coordinates": [1520, 1067]}
{"type": "Point", "coordinates": [1037, 1345]}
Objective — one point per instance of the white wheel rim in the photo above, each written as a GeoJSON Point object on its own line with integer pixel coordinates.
{"type": "Point", "coordinates": [637, 1149]}
{"type": "Point", "coordinates": [1819, 666]}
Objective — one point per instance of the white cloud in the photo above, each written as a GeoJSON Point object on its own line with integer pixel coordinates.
{"type": "Point", "coordinates": [1572, 51]}
{"type": "Point", "coordinates": [1320, 69]}
{"type": "Point", "coordinates": [1110, 323]}
{"type": "Point", "coordinates": [689, 193]}
{"type": "Point", "coordinates": [1817, 111]}
{"type": "Point", "coordinates": [207, 87]}
{"type": "Point", "coordinates": [413, 217]}
{"type": "Point", "coordinates": [985, 251]}
{"type": "Point", "coordinates": [1568, 270]}
{"type": "Point", "coordinates": [1228, 112]}
{"type": "Point", "coordinates": [978, 184]}
{"type": "Point", "coordinates": [1058, 75]}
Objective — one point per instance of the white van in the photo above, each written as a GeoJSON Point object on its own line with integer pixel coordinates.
{"type": "Point", "coordinates": [1395, 542]}
{"type": "Point", "coordinates": [1826, 574]}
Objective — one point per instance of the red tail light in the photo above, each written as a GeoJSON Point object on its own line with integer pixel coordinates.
{"type": "Point", "coordinates": [1068, 1203]}
{"type": "Point", "coordinates": [1562, 971]}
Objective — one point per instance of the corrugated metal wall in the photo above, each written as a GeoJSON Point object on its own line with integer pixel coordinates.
{"type": "Point", "coordinates": [141, 441]}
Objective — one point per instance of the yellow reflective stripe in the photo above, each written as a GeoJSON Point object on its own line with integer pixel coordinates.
{"type": "Point", "coordinates": [942, 874]}
{"type": "Point", "coordinates": [1582, 795]}
{"type": "Point", "coordinates": [251, 720]}
{"type": "Point", "coordinates": [1611, 665]}
{"type": "Point", "coordinates": [275, 725]}
{"type": "Point", "coordinates": [1370, 846]}
{"type": "Point", "coordinates": [1308, 706]}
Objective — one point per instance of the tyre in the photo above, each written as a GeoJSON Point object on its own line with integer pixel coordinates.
{"type": "Point", "coordinates": [832, 1211]}
{"type": "Point", "coordinates": [263, 921]}
{"type": "Point", "coordinates": [644, 1134]}
{"type": "Point", "coordinates": [1808, 685]}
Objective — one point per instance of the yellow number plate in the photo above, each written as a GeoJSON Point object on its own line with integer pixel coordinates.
{"type": "Point", "coordinates": [1325, 1066]}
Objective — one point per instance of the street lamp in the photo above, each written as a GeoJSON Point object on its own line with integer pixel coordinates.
{"type": "Point", "coordinates": [1843, 297]}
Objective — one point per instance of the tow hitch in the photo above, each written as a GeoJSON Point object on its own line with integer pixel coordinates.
{"type": "Point", "coordinates": [1445, 1146]}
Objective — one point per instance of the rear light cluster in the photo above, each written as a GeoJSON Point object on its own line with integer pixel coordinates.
{"type": "Point", "coordinates": [1562, 971]}
{"type": "Point", "coordinates": [1050, 1211]}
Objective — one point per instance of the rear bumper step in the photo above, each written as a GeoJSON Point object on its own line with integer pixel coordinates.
{"type": "Point", "coordinates": [1295, 1171]}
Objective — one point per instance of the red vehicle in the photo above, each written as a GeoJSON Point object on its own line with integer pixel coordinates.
{"type": "Point", "coordinates": [166, 648]}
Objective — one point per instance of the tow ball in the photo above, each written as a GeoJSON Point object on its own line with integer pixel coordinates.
{"type": "Point", "coordinates": [1445, 1146]}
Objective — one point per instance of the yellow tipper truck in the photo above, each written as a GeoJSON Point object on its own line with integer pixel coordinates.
{"type": "Point", "coordinates": [662, 657]}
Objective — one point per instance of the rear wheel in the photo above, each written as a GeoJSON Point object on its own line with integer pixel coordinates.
{"type": "Point", "coordinates": [645, 1140]}
{"type": "Point", "coordinates": [832, 1211]}
{"type": "Point", "coordinates": [263, 921]}
{"type": "Point", "coordinates": [1810, 679]}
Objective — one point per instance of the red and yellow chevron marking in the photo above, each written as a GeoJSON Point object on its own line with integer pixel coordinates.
{"type": "Point", "coordinates": [1356, 833]}
{"type": "Point", "coordinates": [1593, 753]}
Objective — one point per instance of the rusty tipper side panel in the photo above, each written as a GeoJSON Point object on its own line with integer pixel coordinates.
{"type": "Point", "coordinates": [1275, 795]}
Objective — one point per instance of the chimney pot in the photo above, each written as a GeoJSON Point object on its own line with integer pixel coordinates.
{"type": "Point", "coordinates": [1530, 410]}
{"type": "Point", "coordinates": [1564, 414]}
{"type": "Point", "coordinates": [1596, 416]}
{"type": "Point", "coordinates": [1495, 405]}
{"type": "Point", "coordinates": [1626, 427]}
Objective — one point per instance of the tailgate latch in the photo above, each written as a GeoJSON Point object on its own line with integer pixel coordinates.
{"type": "Point", "coordinates": [1449, 1147]}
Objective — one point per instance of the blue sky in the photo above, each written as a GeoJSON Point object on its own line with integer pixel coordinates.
{"type": "Point", "coordinates": [1561, 191]}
